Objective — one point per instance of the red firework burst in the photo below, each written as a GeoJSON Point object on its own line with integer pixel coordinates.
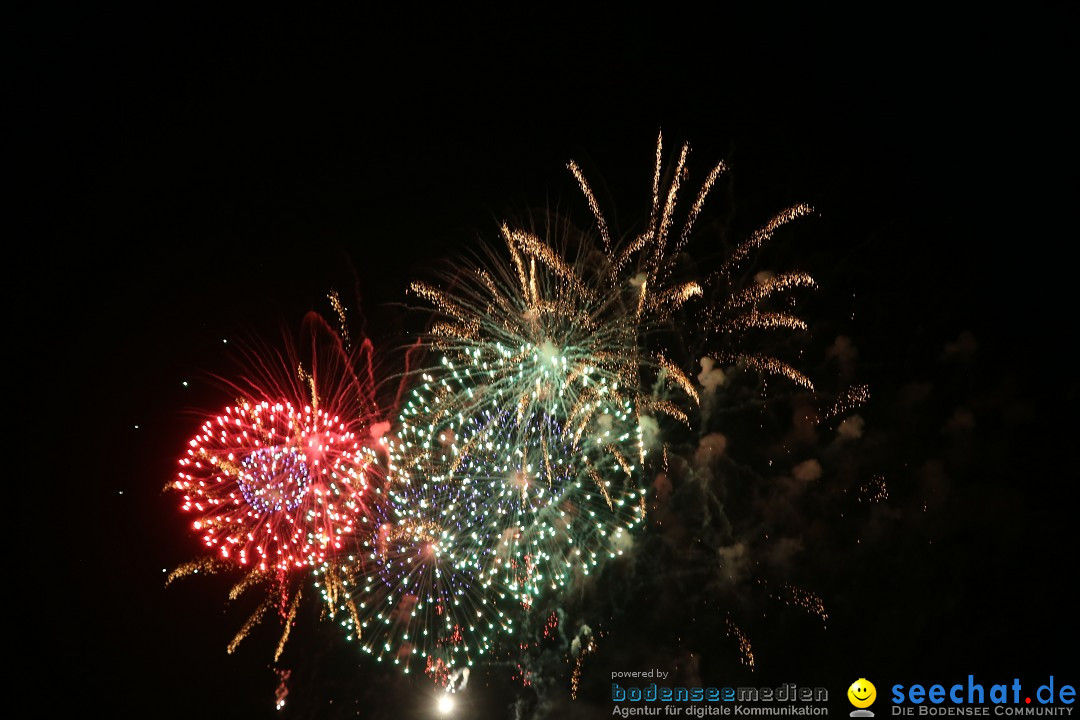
{"type": "Point", "coordinates": [281, 480]}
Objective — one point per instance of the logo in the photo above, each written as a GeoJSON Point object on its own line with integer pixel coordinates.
{"type": "Point", "coordinates": [975, 698]}
{"type": "Point", "coordinates": [862, 694]}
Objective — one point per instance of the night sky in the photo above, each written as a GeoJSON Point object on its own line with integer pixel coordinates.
{"type": "Point", "coordinates": [183, 178]}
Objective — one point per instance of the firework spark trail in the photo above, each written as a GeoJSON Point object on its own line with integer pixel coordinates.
{"type": "Point", "coordinates": [534, 247]}
{"type": "Point", "coordinates": [850, 399]}
{"type": "Point", "coordinates": [207, 565]}
{"type": "Point", "coordinates": [593, 205]}
{"type": "Point", "coordinates": [587, 648]}
{"type": "Point", "coordinates": [668, 301]}
{"type": "Point", "coordinates": [809, 601]}
{"type": "Point", "coordinates": [343, 325]}
{"type": "Point", "coordinates": [762, 290]}
{"type": "Point", "coordinates": [281, 694]}
{"type": "Point", "coordinates": [657, 168]}
{"type": "Point", "coordinates": [874, 490]}
{"type": "Point", "coordinates": [761, 236]}
{"type": "Point", "coordinates": [626, 254]}
{"type": "Point", "coordinates": [600, 485]}
{"type": "Point", "coordinates": [251, 622]}
{"type": "Point", "coordinates": [667, 408]}
{"type": "Point", "coordinates": [699, 203]}
{"type": "Point", "coordinates": [680, 378]}
{"type": "Point", "coordinates": [762, 320]}
{"type": "Point", "coordinates": [772, 366]}
{"type": "Point", "coordinates": [247, 582]}
{"type": "Point", "coordinates": [746, 652]}
{"type": "Point", "coordinates": [661, 232]}
{"type": "Point", "coordinates": [290, 618]}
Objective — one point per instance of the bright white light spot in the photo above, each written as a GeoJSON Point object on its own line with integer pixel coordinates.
{"type": "Point", "coordinates": [446, 704]}
{"type": "Point", "coordinates": [184, 383]}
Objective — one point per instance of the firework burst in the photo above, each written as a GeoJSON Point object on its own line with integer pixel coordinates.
{"type": "Point", "coordinates": [519, 465]}
{"type": "Point", "coordinates": [575, 327]}
{"type": "Point", "coordinates": [281, 482]}
{"type": "Point", "coordinates": [552, 352]}
{"type": "Point", "coordinates": [276, 486]}
{"type": "Point", "coordinates": [469, 533]}
{"type": "Point", "coordinates": [420, 594]}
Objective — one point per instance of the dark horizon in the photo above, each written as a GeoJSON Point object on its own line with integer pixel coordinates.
{"type": "Point", "coordinates": [190, 179]}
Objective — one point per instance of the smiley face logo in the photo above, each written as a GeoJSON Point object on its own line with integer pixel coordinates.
{"type": "Point", "coordinates": [862, 693]}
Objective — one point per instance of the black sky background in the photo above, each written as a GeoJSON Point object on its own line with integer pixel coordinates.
{"type": "Point", "coordinates": [184, 176]}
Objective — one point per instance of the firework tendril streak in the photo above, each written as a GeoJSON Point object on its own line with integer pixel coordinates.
{"type": "Point", "coordinates": [519, 466]}
{"type": "Point", "coordinates": [281, 481]}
